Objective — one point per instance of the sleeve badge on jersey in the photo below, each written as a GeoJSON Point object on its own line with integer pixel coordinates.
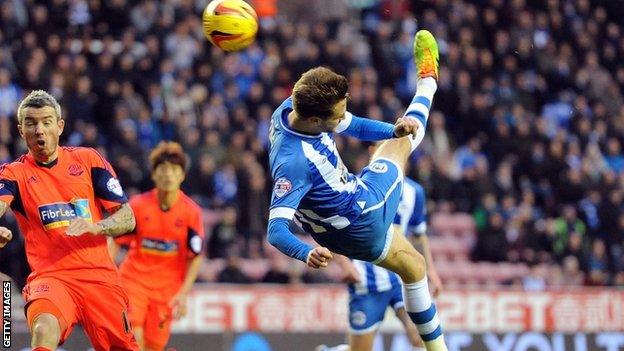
{"type": "Point", "coordinates": [282, 186]}
{"type": "Point", "coordinates": [114, 186]}
{"type": "Point", "coordinates": [379, 167]}
{"type": "Point", "coordinates": [196, 244]}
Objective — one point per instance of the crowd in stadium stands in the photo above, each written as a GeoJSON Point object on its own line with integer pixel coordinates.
{"type": "Point", "coordinates": [526, 133]}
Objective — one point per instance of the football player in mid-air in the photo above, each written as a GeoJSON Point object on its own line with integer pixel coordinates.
{"type": "Point", "coordinates": [372, 289]}
{"type": "Point", "coordinates": [351, 215]}
{"type": "Point", "coordinates": [164, 256]}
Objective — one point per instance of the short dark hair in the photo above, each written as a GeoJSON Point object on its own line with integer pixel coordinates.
{"type": "Point", "coordinates": [317, 91]}
{"type": "Point", "coordinates": [38, 99]}
{"type": "Point", "coordinates": [168, 151]}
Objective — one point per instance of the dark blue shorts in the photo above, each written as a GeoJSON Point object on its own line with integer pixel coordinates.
{"type": "Point", "coordinates": [367, 237]}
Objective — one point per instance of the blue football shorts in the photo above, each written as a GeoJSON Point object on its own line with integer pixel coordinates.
{"type": "Point", "coordinates": [366, 312]}
{"type": "Point", "coordinates": [369, 237]}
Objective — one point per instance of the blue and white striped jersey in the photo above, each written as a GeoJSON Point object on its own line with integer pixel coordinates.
{"type": "Point", "coordinates": [412, 217]}
{"type": "Point", "coordinates": [310, 180]}
{"type": "Point", "coordinates": [412, 212]}
{"type": "Point", "coordinates": [373, 279]}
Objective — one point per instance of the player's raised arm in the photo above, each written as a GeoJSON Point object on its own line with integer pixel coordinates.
{"type": "Point", "coordinates": [364, 128]}
{"type": "Point", "coordinates": [373, 130]}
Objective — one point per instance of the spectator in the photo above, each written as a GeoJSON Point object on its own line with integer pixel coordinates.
{"type": "Point", "coordinates": [81, 102]}
{"type": "Point", "coordinates": [10, 95]}
{"type": "Point", "coordinates": [232, 272]}
{"type": "Point", "coordinates": [223, 235]}
{"type": "Point", "coordinates": [491, 243]}
{"type": "Point", "coordinates": [572, 274]}
{"type": "Point", "coordinates": [614, 157]}
{"type": "Point", "coordinates": [536, 279]}
{"type": "Point", "coordinates": [277, 273]}
{"type": "Point", "coordinates": [567, 223]}
{"type": "Point", "coordinates": [598, 264]}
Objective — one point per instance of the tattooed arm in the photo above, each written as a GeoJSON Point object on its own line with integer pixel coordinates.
{"type": "Point", "coordinates": [119, 222]}
{"type": "Point", "coordinates": [3, 207]}
{"type": "Point", "coordinates": [5, 233]}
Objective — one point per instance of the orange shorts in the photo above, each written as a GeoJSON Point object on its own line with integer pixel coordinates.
{"type": "Point", "coordinates": [100, 308]}
{"type": "Point", "coordinates": [154, 317]}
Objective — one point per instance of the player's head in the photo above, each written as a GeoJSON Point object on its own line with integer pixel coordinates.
{"type": "Point", "coordinates": [168, 163]}
{"type": "Point", "coordinates": [320, 98]}
{"type": "Point", "coordinates": [40, 124]}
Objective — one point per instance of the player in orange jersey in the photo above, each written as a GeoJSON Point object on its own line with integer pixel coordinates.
{"type": "Point", "coordinates": [164, 255]}
{"type": "Point", "coordinates": [57, 194]}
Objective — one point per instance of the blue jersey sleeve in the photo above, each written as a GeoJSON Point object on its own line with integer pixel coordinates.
{"type": "Point", "coordinates": [292, 182]}
{"type": "Point", "coordinates": [280, 236]}
{"type": "Point", "coordinates": [364, 128]}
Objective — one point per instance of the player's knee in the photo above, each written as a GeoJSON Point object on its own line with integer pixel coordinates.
{"type": "Point", "coordinates": [46, 330]}
{"type": "Point", "coordinates": [44, 325]}
{"type": "Point", "coordinates": [414, 269]}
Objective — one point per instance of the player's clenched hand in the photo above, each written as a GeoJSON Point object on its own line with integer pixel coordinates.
{"type": "Point", "coordinates": [178, 305]}
{"type": "Point", "coordinates": [405, 126]}
{"type": "Point", "coordinates": [79, 226]}
{"type": "Point", "coordinates": [5, 236]}
{"type": "Point", "coordinates": [319, 257]}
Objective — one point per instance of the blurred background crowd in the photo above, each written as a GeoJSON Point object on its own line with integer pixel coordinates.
{"type": "Point", "coordinates": [525, 135]}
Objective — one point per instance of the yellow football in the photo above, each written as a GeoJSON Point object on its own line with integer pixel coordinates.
{"type": "Point", "coordinates": [230, 24]}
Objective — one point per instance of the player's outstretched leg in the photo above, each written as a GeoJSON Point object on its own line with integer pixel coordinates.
{"type": "Point", "coordinates": [402, 258]}
{"type": "Point", "coordinates": [426, 57]}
